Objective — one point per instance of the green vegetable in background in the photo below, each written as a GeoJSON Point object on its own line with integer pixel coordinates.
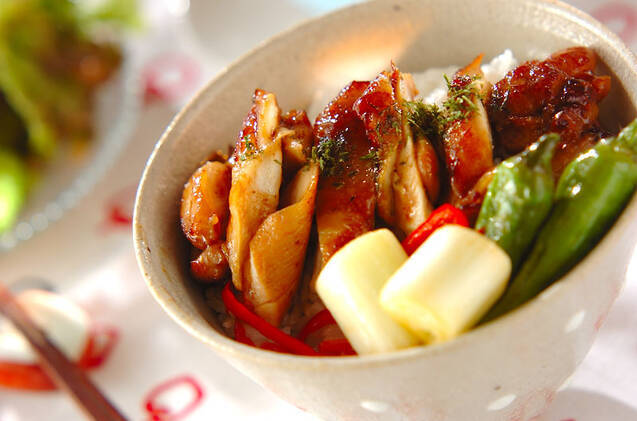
{"type": "Point", "coordinates": [13, 187]}
{"type": "Point", "coordinates": [590, 195]}
{"type": "Point", "coordinates": [45, 46]}
{"type": "Point", "coordinates": [519, 198]}
{"type": "Point", "coordinates": [50, 66]}
{"type": "Point", "coordinates": [121, 13]}
{"type": "Point", "coordinates": [12, 133]}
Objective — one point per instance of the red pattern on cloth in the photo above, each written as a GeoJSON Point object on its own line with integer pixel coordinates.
{"type": "Point", "coordinates": [156, 407]}
{"type": "Point", "coordinates": [169, 76]}
{"type": "Point", "coordinates": [619, 12]}
{"type": "Point", "coordinates": [118, 209]}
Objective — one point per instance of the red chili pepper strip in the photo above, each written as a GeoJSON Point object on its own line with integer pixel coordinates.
{"type": "Point", "coordinates": [271, 346]}
{"type": "Point", "coordinates": [240, 333]}
{"type": "Point", "coordinates": [319, 320]}
{"type": "Point", "coordinates": [336, 347]}
{"type": "Point", "coordinates": [443, 215]}
{"type": "Point", "coordinates": [288, 342]}
{"type": "Point", "coordinates": [23, 376]}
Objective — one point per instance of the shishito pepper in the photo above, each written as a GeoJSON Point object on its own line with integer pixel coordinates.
{"type": "Point", "coordinates": [519, 198]}
{"type": "Point", "coordinates": [590, 195]}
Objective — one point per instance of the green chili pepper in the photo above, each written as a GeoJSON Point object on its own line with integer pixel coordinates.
{"type": "Point", "coordinates": [590, 195]}
{"type": "Point", "coordinates": [519, 198]}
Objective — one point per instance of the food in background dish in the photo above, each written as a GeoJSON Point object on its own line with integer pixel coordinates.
{"type": "Point", "coordinates": [430, 215]}
{"type": "Point", "coordinates": [51, 64]}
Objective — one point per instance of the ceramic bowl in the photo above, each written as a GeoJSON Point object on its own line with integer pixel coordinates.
{"type": "Point", "coordinates": [506, 370]}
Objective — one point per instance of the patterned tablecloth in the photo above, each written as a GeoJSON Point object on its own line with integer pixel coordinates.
{"type": "Point", "coordinates": [154, 369]}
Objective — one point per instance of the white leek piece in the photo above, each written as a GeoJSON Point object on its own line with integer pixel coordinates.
{"type": "Point", "coordinates": [350, 284]}
{"type": "Point", "coordinates": [448, 284]}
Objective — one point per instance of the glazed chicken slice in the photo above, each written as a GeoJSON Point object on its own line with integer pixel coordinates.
{"type": "Point", "coordinates": [378, 109]}
{"type": "Point", "coordinates": [471, 202]}
{"type": "Point", "coordinates": [277, 250]}
{"type": "Point", "coordinates": [204, 204]}
{"type": "Point", "coordinates": [211, 265]}
{"type": "Point", "coordinates": [411, 203]}
{"type": "Point", "coordinates": [256, 180]}
{"type": "Point", "coordinates": [295, 134]}
{"type": "Point", "coordinates": [401, 199]}
{"type": "Point", "coordinates": [560, 94]}
{"type": "Point", "coordinates": [467, 142]}
{"type": "Point", "coordinates": [204, 218]}
{"type": "Point", "coordinates": [428, 165]}
{"type": "Point", "coordinates": [346, 196]}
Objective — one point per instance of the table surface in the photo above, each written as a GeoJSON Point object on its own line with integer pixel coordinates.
{"type": "Point", "coordinates": [88, 255]}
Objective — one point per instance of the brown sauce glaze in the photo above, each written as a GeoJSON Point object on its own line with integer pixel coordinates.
{"type": "Point", "coordinates": [346, 198]}
{"type": "Point", "coordinates": [296, 133]}
{"type": "Point", "coordinates": [560, 94]}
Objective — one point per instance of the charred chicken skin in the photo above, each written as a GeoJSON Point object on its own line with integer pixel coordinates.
{"type": "Point", "coordinates": [346, 196]}
{"type": "Point", "coordinates": [560, 95]}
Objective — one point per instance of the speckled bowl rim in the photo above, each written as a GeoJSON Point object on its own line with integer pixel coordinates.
{"type": "Point", "coordinates": [229, 347]}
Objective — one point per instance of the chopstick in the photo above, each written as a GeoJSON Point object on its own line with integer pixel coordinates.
{"type": "Point", "coordinates": [66, 374]}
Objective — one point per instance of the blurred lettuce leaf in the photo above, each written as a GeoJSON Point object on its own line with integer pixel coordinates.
{"type": "Point", "coordinates": [12, 134]}
{"type": "Point", "coordinates": [42, 47]}
{"type": "Point", "coordinates": [50, 66]}
{"type": "Point", "coordinates": [120, 13]}
{"type": "Point", "coordinates": [14, 181]}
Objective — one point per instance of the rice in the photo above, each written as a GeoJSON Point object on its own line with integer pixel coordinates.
{"type": "Point", "coordinates": [432, 87]}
